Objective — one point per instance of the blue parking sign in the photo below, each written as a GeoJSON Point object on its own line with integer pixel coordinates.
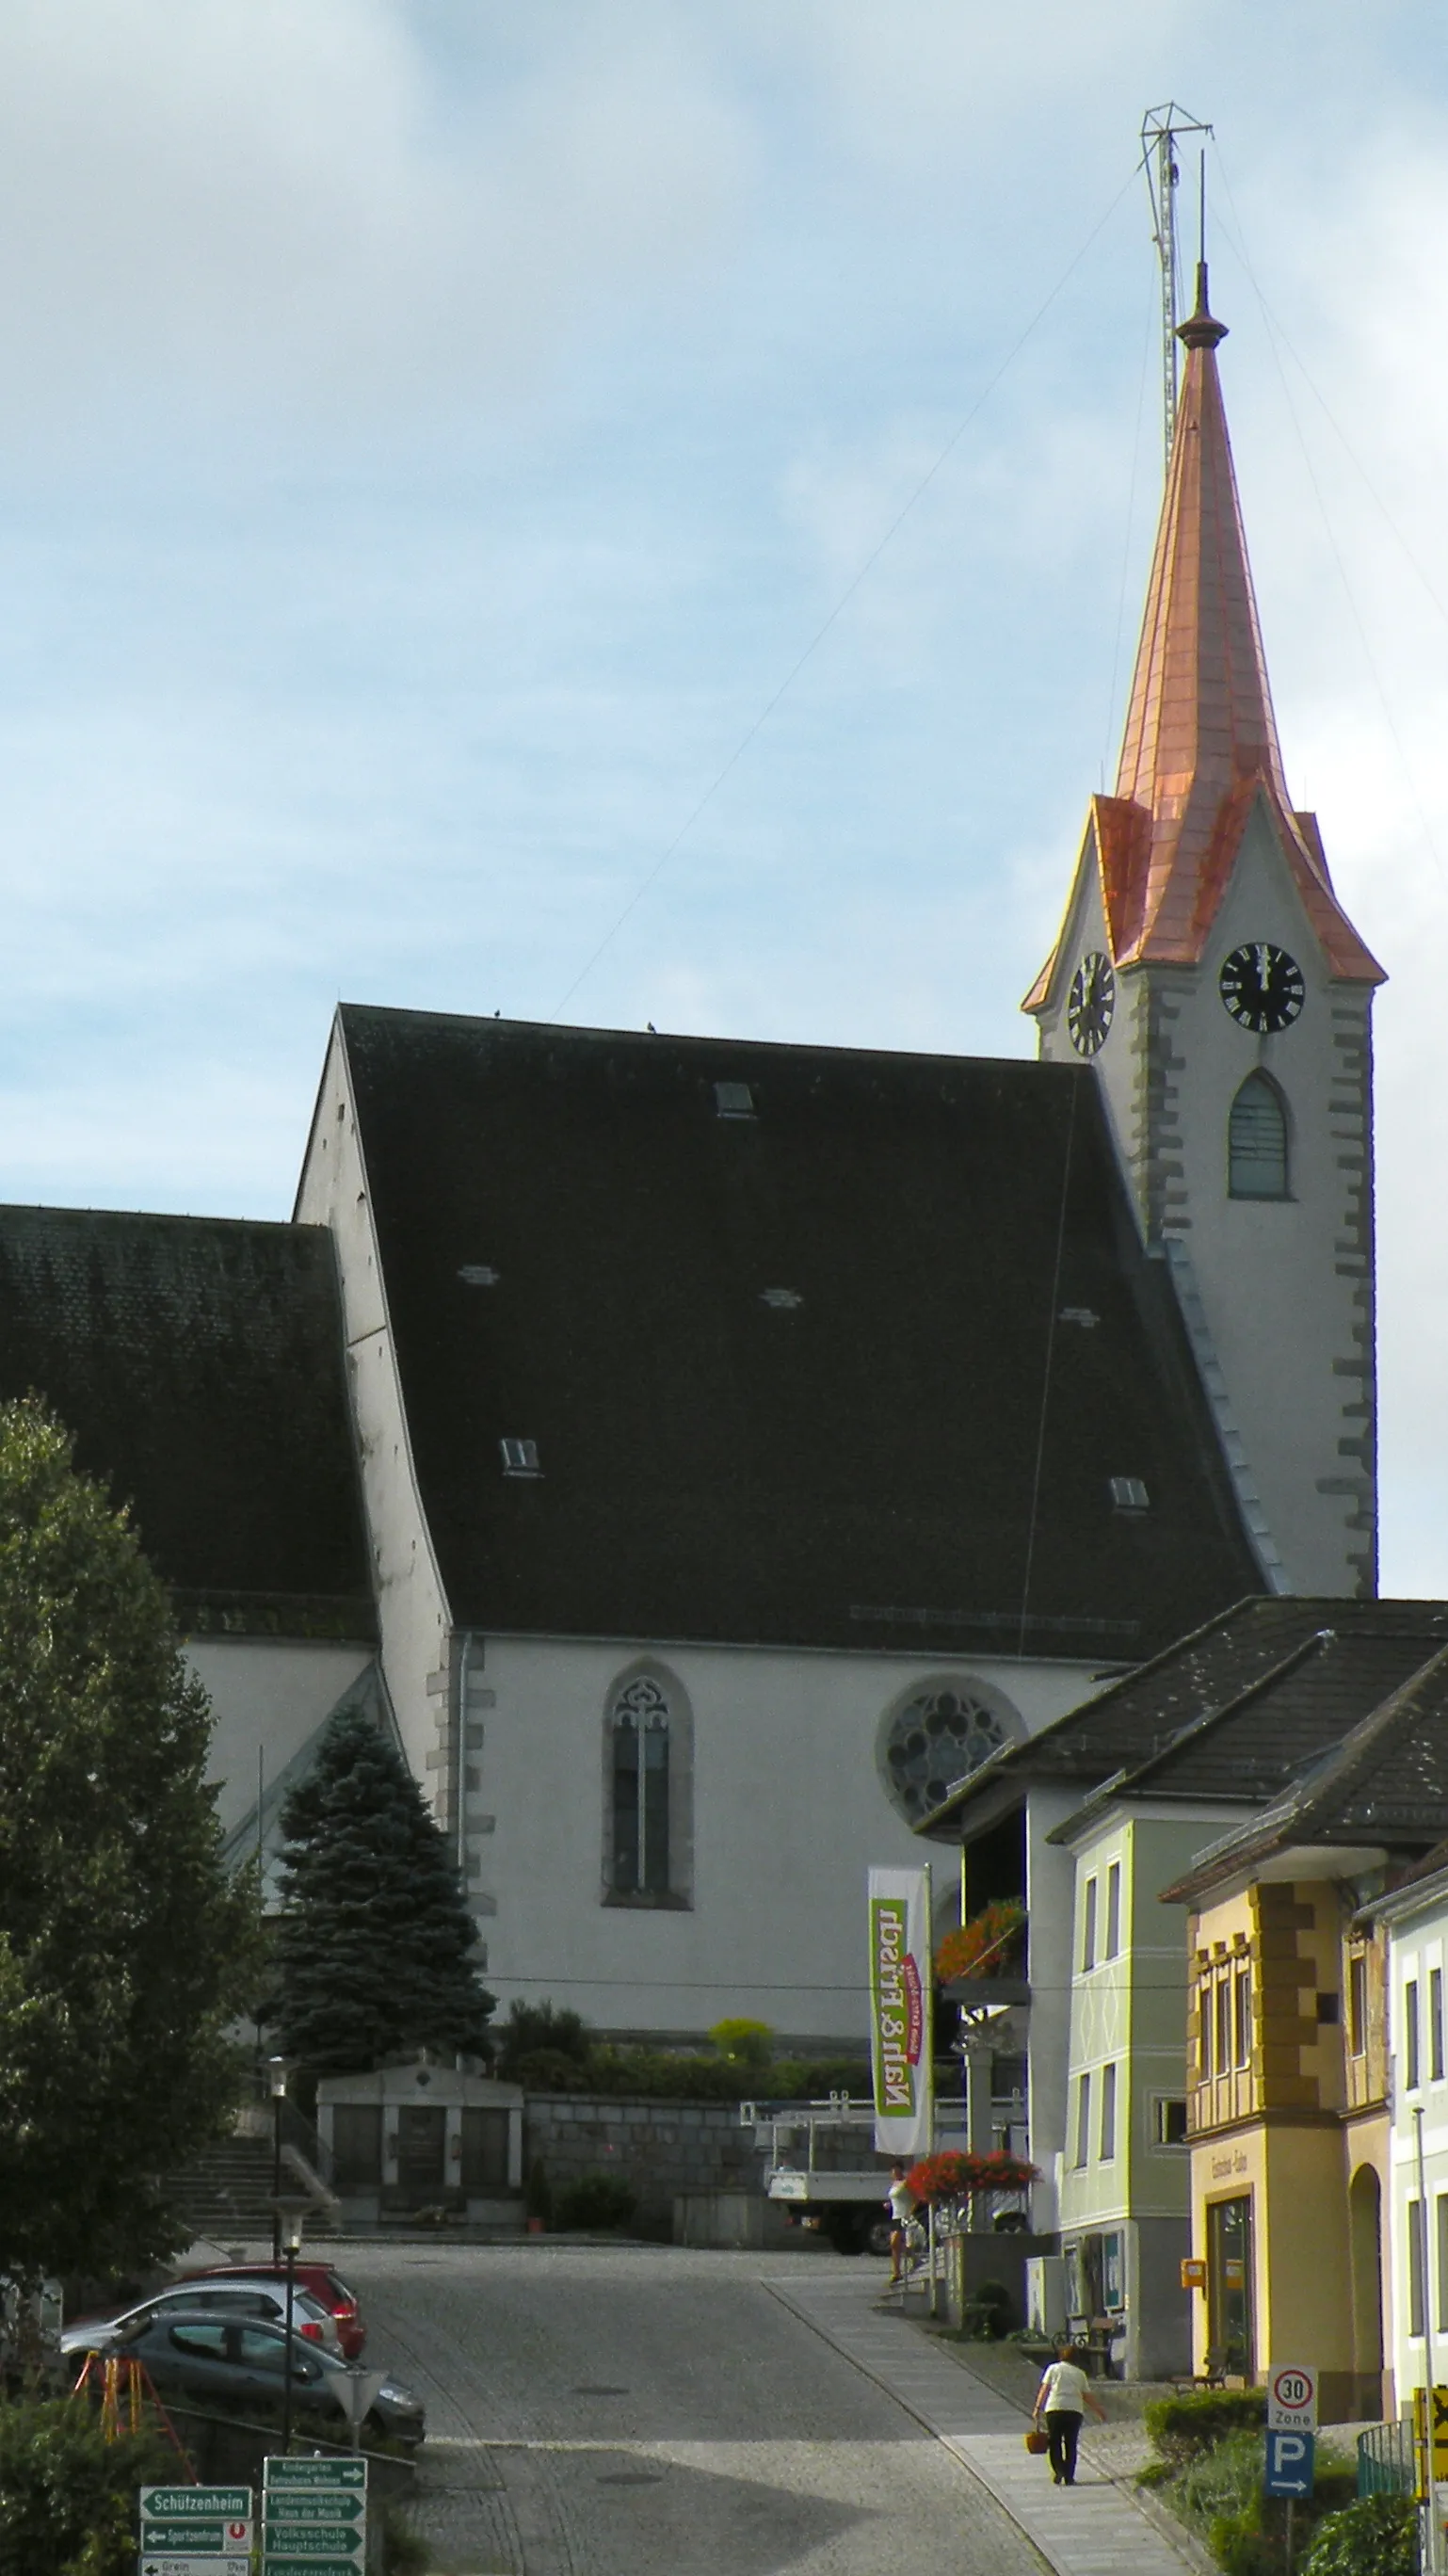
{"type": "Point", "coordinates": [1289, 2464]}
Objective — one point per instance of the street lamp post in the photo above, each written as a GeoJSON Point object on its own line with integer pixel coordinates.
{"type": "Point", "coordinates": [276, 2068]}
{"type": "Point", "coordinates": [289, 2215]}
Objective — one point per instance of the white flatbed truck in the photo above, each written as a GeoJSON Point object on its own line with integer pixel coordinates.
{"type": "Point", "coordinates": [848, 2207]}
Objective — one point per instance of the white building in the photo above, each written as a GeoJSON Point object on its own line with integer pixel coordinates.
{"type": "Point", "coordinates": [1415, 1917]}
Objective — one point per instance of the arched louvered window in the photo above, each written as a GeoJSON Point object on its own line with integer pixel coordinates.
{"type": "Point", "coordinates": [1257, 1141]}
{"type": "Point", "coordinates": [639, 1765]}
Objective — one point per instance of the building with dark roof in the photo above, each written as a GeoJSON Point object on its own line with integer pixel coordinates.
{"type": "Point", "coordinates": [199, 1363]}
{"type": "Point", "coordinates": [755, 1441]}
{"type": "Point", "coordinates": [1293, 2167]}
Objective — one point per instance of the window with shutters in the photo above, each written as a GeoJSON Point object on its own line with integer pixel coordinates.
{"type": "Point", "coordinates": [1257, 1141]}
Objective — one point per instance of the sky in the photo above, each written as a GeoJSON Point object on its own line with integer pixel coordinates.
{"type": "Point", "coordinates": [625, 514]}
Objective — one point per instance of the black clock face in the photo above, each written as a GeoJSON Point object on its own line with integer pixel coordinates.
{"type": "Point", "coordinates": [1090, 1003]}
{"type": "Point", "coordinates": [1262, 988]}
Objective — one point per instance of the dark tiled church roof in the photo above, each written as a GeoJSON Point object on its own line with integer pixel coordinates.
{"type": "Point", "coordinates": [853, 1363]}
{"type": "Point", "coordinates": [1231, 1712]}
{"type": "Point", "coordinates": [199, 1363]}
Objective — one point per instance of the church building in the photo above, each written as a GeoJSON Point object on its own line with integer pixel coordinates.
{"type": "Point", "coordinates": [703, 1453]}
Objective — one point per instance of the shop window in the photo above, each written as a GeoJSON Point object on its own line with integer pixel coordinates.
{"type": "Point", "coordinates": [1357, 2004]}
{"type": "Point", "coordinates": [1416, 2256]}
{"type": "Point", "coordinates": [1230, 2320]}
{"type": "Point", "coordinates": [1108, 2113]}
{"type": "Point", "coordinates": [1112, 1942]}
{"type": "Point", "coordinates": [1088, 1925]}
{"type": "Point", "coordinates": [1083, 2120]}
{"type": "Point", "coordinates": [1242, 2016]}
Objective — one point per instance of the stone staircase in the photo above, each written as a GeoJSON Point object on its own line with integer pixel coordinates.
{"type": "Point", "coordinates": [226, 2194]}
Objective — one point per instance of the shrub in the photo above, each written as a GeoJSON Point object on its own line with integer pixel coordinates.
{"type": "Point", "coordinates": [954, 2175]}
{"type": "Point", "coordinates": [538, 2192]}
{"type": "Point", "coordinates": [68, 2497]}
{"type": "Point", "coordinates": [989, 1945]}
{"type": "Point", "coordinates": [595, 2200]}
{"type": "Point", "coordinates": [744, 2043]}
{"type": "Point", "coordinates": [532, 2027]}
{"type": "Point", "coordinates": [1376, 2536]}
{"type": "Point", "coordinates": [1183, 2427]}
{"type": "Point", "coordinates": [988, 2311]}
{"type": "Point", "coordinates": [547, 2070]}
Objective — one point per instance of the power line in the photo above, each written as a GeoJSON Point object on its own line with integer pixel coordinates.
{"type": "Point", "coordinates": [841, 604]}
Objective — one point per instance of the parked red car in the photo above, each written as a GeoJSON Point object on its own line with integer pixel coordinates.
{"type": "Point", "coordinates": [319, 2278]}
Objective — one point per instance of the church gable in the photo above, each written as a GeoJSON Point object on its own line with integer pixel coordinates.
{"type": "Point", "coordinates": [782, 1345]}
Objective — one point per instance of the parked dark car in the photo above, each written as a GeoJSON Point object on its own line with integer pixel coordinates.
{"type": "Point", "coordinates": [313, 2322]}
{"type": "Point", "coordinates": [319, 2278]}
{"type": "Point", "coordinates": [207, 2357]}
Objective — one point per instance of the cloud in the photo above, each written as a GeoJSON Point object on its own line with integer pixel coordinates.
{"type": "Point", "coordinates": [246, 205]}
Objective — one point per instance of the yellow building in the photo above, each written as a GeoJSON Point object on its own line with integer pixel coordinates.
{"type": "Point", "coordinates": [1288, 2071]}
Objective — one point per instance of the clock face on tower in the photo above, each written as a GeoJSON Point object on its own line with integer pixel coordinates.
{"type": "Point", "coordinates": [1090, 1003]}
{"type": "Point", "coordinates": [1262, 987]}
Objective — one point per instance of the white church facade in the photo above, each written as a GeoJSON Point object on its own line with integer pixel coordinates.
{"type": "Point", "coordinates": [705, 1452]}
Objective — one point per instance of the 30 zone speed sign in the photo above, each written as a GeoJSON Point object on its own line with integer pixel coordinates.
{"type": "Point", "coordinates": [1291, 2399]}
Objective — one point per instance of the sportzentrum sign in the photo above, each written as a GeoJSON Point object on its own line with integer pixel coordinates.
{"type": "Point", "coordinates": [900, 1986]}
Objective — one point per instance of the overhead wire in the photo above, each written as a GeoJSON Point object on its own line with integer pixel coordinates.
{"type": "Point", "coordinates": [1389, 720]}
{"type": "Point", "coordinates": [652, 876]}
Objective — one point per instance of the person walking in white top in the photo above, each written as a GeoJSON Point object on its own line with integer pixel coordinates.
{"type": "Point", "coordinates": [901, 2202]}
{"type": "Point", "coordinates": [1064, 2391]}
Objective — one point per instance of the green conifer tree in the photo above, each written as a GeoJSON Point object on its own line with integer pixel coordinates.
{"type": "Point", "coordinates": [375, 1944]}
{"type": "Point", "coordinates": [125, 1950]}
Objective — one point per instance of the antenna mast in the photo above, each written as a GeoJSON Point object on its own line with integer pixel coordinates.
{"type": "Point", "coordinates": [1159, 130]}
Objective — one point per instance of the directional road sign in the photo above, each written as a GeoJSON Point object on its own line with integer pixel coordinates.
{"type": "Point", "coordinates": [212, 2504]}
{"type": "Point", "coordinates": [313, 2538]}
{"type": "Point", "coordinates": [1289, 2464]}
{"type": "Point", "coordinates": [1291, 2398]}
{"type": "Point", "coordinates": [169, 2564]}
{"type": "Point", "coordinates": [283, 2504]}
{"type": "Point", "coordinates": [201, 2539]}
{"type": "Point", "coordinates": [282, 2471]}
{"type": "Point", "coordinates": [305, 2566]}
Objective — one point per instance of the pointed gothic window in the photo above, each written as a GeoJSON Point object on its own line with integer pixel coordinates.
{"type": "Point", "coordinates": [1257, 1141]}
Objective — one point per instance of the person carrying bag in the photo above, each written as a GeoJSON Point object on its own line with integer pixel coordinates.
{"type": "Point", "coordinates": [1064, 2392]}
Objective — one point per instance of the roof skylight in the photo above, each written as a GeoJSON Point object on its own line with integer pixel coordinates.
{"type": "Point", "coordinates": [733, 1100]}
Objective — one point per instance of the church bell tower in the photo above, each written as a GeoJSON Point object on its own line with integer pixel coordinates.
{"type": "Point", "coordinates": [1207, 971]}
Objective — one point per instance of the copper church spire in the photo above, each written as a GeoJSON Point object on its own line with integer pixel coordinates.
{"type": "Point", "coordinates": [1200, 744]}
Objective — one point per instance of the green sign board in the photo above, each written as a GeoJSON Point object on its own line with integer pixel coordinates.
{"type": "Point", "coordinates": [343, 2506]}
{"type": "Point", "coordinates": [200, 2538]}
{"type": "Point", "coordinates": [311, 2539]}
{"type": "Point", "coordinates": [210, 2504]}
{"type": "Point", "coordinates": [284, 2472]}
{"type": "Point", "coordinates": [273, 2566]}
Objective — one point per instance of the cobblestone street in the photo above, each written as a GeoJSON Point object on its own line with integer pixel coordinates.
{"type": "Point", "coordinates": [602, 2411]}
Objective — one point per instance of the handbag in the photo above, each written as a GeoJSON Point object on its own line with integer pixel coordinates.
{"type": "Point", "coordinates": [1036, 2440]}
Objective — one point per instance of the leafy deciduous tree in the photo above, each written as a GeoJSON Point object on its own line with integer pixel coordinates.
{"type": "Point", "coordinates": [125, 1951]}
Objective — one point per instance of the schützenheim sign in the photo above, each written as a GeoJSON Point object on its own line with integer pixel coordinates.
{"type": "Point", "coordinates": [900, 1994]}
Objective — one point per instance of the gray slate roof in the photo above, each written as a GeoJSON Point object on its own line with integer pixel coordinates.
{"type": "Point", "coordinates": [1231, 1712]}
{"type": "Point", "coordinates": [810, 1375]}
{"type": "Point", "coordinates": [199, 1363]}
{"type": "Point", "coordinates": [1384, 1783]}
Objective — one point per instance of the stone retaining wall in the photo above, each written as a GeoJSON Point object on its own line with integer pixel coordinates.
{"type": "Point", "coordinates": [662, 2150]}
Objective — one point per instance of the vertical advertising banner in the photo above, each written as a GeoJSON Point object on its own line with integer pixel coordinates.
{"type": "Point", "coordinates": [900, 1999]}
